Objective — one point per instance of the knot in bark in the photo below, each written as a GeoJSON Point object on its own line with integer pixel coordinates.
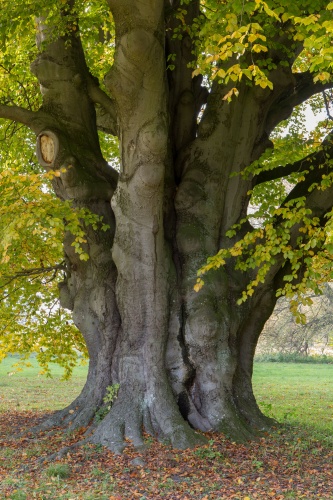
{"type": "Point", "coordinates": [153, 137]}
{"type": "Point", "coordinates": [136, 45]}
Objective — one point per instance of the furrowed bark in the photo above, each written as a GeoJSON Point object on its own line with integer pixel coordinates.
{"type": "Point", "coordinates": [259, 309]}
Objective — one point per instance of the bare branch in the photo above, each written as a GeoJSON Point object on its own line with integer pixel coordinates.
{"type": "Point", "coordinates": [186, 95]}
{"type": "Point", "coordinates": [304, 88]}
{"type": "Point", "coordinates": [327, 106]}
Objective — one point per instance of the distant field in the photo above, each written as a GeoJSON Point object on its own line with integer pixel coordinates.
{"type": "Point", "coordinates": [297, 393]}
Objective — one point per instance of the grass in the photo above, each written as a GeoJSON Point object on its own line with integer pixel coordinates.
{"type": "Point", "coordinates": [300, 394]}
{"type": "Point", "coordinates": [290, 392]}
{"type": "Point", "coordinates": [295, 461]}
{"type": "Point", "coordinates": [61, 471]}
{"type": "Point", "coordinates": [29, 390]}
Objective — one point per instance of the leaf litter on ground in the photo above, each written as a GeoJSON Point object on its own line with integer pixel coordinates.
{"type": "Point", "coordinates": [288, 463]}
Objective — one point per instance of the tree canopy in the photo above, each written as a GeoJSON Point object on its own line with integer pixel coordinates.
{"type": "Point", "coordinates": [190, 117]}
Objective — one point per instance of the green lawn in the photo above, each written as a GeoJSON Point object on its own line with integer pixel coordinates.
{"type": "Point", "coordinates": [28, 389]}
{"type": "Point", "coordinates": [298, 393]}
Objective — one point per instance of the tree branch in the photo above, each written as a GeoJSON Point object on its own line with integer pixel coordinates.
{"type": "Point", "coordinates": [35, 271]}
{"type": "Point", "coordinates": [318, 198]}
{"type": "Point", "coordinates": [314, 160]}
{"type": "Point", "coordinates": [106, 114]}
{"type": "Point", "coordinates": [186, 95]}
{"type": "Point", "coordinates": [18, 114]}
{"type": "Point", "coordinates": [304, 88]}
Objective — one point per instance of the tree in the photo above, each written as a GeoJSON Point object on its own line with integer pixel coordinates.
{"type": "Point", "coordinates": [194, 91]}
{"type": "Point", "coordinates": [284, 333]}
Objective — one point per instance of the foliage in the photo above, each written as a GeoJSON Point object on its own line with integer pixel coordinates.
{"type": "Point", "coordinates": [32, 227]}
{"type": "Point", "coordinates": [32, 220]}
{"type": "Point", "coordinates": [244, 33]}
{"type": "Point", "coordinates": [111, 395]}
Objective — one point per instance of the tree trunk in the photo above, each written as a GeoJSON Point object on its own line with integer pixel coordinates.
{"type": "Point", "coordinates": [67, 142]}
{"type": "Point", "coordinates": [140, 252]}
{"type": "Point", "coordinates": [183, 360]}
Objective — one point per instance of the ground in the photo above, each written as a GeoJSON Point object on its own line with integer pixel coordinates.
{"type": "Point", "coordinates": [279, 466]}
{"type": "Point", "coordinates": [295, 461]}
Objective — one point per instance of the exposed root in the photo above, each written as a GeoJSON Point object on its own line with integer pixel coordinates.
{"type": "Point", "coordinates": [236, 430]}
{"type": "Point", "coordinates": [129, 417]}
{"type": "Point", "coordinates": [58, 455]}
{"type": "Point", "coordinates": [78, 414]}
{"type": "Point", "coordinates": [250, 410]}
{"type": "Point", "coordinates": [226, 418]}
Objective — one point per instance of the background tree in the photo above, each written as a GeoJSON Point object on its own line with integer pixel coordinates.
{"type": "Point", "coordinates": [286, 334]}
{"type": "Point", "coordinates": [193, 91]}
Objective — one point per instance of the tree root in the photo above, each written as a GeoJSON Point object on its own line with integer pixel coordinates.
{"type": "Point", "coordinates": [78, 414]}
{"type": "Point", "coordinates": [129, 417]}
{"type": "Point", "coordinates": [251, 412]}
{"type": "Point", "coordinates": [58, 455]}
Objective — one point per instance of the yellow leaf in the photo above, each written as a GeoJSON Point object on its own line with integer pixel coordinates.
{"type": "Point", "coordinates": [228, 96]}
{"type": "Point", "coordinates": [252, 38]}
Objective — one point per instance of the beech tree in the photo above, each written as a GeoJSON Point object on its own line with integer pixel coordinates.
{"type": "Point", "coordinates": [195, 93]}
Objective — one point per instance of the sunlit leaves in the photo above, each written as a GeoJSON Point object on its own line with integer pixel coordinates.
{"type": "Point", "coordinates": [33, 221]}
{"type": "Point", "coordinates": [250, 34]}
{"type": "Point", "coordinates": [286, 234]}
{"type": "Point", "coordinates": [98, 36]}
{"type": "Point", "coordinates": [18, 47]}
{"type": "Point", "coordinates": [32, 226]}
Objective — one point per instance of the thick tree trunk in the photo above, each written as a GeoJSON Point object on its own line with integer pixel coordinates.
{"type": "Point", "coordinates": [216, 332]}
{"type": "Point", "coordinates": [89, 292]}
{"type": "Point", "coordinates": [137, 82]}
{"type": "Point", "coordinates": [183, 360]}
